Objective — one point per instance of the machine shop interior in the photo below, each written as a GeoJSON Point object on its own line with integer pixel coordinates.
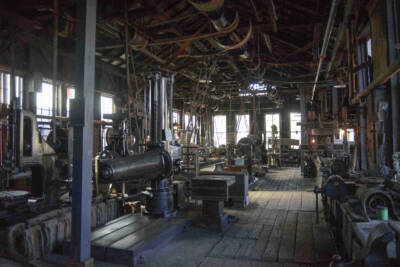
{"type": "Point", "coordinates": [199, 133]}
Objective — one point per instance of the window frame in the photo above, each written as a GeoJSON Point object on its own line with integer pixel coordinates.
{"type": "Point", "coordinates": [296, 132]}
{"type": "Point", "coordinates": [268, 130]}
{"type": "Point", "coordinates": [217, 133]}
{"type": "Point", "coordinates": [242, 134]}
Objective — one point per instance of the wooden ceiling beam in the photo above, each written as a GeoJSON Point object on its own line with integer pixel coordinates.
{"type": "Point", "coordinates": [303, 8]}
{"type": "Point", "coordinates": [256, 13]}
{"type": "Point", "coordinates": [171, 21]}
{"type": "Point", "coordinates": [267, 41]}
{"type": "Point", "coordinates": [272, 15]}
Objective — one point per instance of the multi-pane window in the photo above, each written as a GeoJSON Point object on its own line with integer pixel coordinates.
{"type": "Point", "coordinates": [350, 135]}
{"type": "Point", "coordinates": [175, 118]}
{"type": "Point", "coordinates": [106, 107]}
{"type": "Point", "coordinates": [18, 89]}
{"type": "Point", "coordinates": [242, 126]}
{"type": "Point", "coordinates": [192, 125]}
{"type": "Point", "coordinates": [5, 86]}
{"type": "Point", "coordinates": [44, 106]}
{"type": "Point", "coordinates": [70, 95]}
{"type": "Point", "coordinates": [295, 127]}
{"type": "Point", "coordinates": [369, 47]}
{"type": "Point", "coordinates": [271, 119]}
{"type": "Point", "coordinates": [219, 130]}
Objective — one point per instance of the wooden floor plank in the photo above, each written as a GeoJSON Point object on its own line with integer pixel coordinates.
{"type": "Point", "coordinates": [305, 217]}
{"type": "Point", "coordinates": [285, 201]}
{"type": "Point", "coordinates": [288, 238]}
{"type": "Point", "coordinates": [272, 249]}
{"type": "Point", "coordinates": [233, 229]}
{"type": "Point", "coordinates": [304, 245]}
{"type": "Point", "coordinates": [273, 200]}
{"type": "Point", "coordinates": [255, 231]}
{"type": "Point", "coordinates": [231, 248]}
{"type": "Point", "coordinates": [295, 201]}
{"type": "Point", "coordinates": [212, 262]}
{"type": "Point", "coordinates": [220, 247]}
{"type": "Point", "coordinates": [237, 262]}
{"type": "Point", "coordinates": [246, 249]}
{"type": "Point", "coordinates": [261, 243]}
{"type": "Point", "coordinates": [244, 231]}
{"type": "Point", "coordinates": [277, 228]}
{"type": "Point", "coordinates": [307, 201]}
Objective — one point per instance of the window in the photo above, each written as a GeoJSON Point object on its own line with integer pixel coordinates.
{"type": "Point", "coordinates": [44, 106]}
{"type": "Point", "coordinates": [295, 129]}
{"type": "Point", "coordinates": [369, 47]}
{"type": "Point", "coordinates": [271, 119]}
{"type": "Point", "coordinates": [193, 124]}
{"type": "Point", "coordinates": [175, 118]}
{"type": "Point", "coordinates": [5, 88]}
{"type": "Point", "coordinates": [191, 127]}
{"type": "Point", "coordinates": [242, 126]}
{"type": "Point", "coordinates": [350, 135]}
{"type": "Point", "coordinates": [5, 85]}
{"type": "Point", "coordinates": [219, 130]}
{"type": "Point", "coordinates": [19, 87]}
{"type": "Point", "coordinates": [106, 107]}
{"type": "Point", "coordinates": [70, 95]}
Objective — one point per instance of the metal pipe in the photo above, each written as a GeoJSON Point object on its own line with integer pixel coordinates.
{"type": "Point", "coordinates": [362, 81]}
{"type": "Point", "coordinates": [96, 173]}
{"type": "Point", "coordinates": [328, 31]}
{"type": "Point", "coordinates": [145, 112]}
{"type": "Point", "coordinates": [163, 91]}
{"type": "Point", "coordinates": [150, 165]}
{"type": "Point", "coordinates": [13, 105]}
{"type": "Point", "coordinates": [171, 98]}
{"type": "Point", "coordinates": [154, 109]}
{"type": "Point", "coordinates": [149, 108]}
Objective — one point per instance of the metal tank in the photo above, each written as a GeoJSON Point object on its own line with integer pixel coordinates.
{"type": "Point", "coordinates": [155, 163]}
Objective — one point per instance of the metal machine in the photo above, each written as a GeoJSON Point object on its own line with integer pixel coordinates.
{"type": "Point", "coordinates": [152, 170]}
{"type": "Point", "coordinates": [252, 149]}
{"type": "Point", "coordinates": [31, 165]}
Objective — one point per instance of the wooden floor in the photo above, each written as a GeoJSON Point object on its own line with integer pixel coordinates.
{"type": "Point", "coordinates": [277, 229]}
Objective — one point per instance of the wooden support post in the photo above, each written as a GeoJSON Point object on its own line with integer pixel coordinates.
{"type": "Point", "coordinates": [55, 69]}
{"type": "Point", "coordinates": [395, 80]}
{"type": "Point", "coordinates": [82, 122]}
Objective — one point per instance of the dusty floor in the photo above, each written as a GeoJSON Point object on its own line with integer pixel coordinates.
{"type": "Point", "coordinates": [277, 229]}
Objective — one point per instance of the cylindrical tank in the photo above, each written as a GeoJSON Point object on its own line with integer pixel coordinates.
{"type": "Point", "coordinates": [150, 165]}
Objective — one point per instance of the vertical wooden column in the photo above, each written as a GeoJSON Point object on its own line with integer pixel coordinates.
{"type": "Point", "coordinates": [55, 69]}
{"type": "Point", "coordinates": [393, 39]}
{"type": "Point", "coordinates": [82, 121]}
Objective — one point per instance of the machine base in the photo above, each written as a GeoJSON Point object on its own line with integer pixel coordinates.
{"type": "Point", "coordinates": [126, 239]}
{"type": "Point", "coordinates": [213, 216]}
